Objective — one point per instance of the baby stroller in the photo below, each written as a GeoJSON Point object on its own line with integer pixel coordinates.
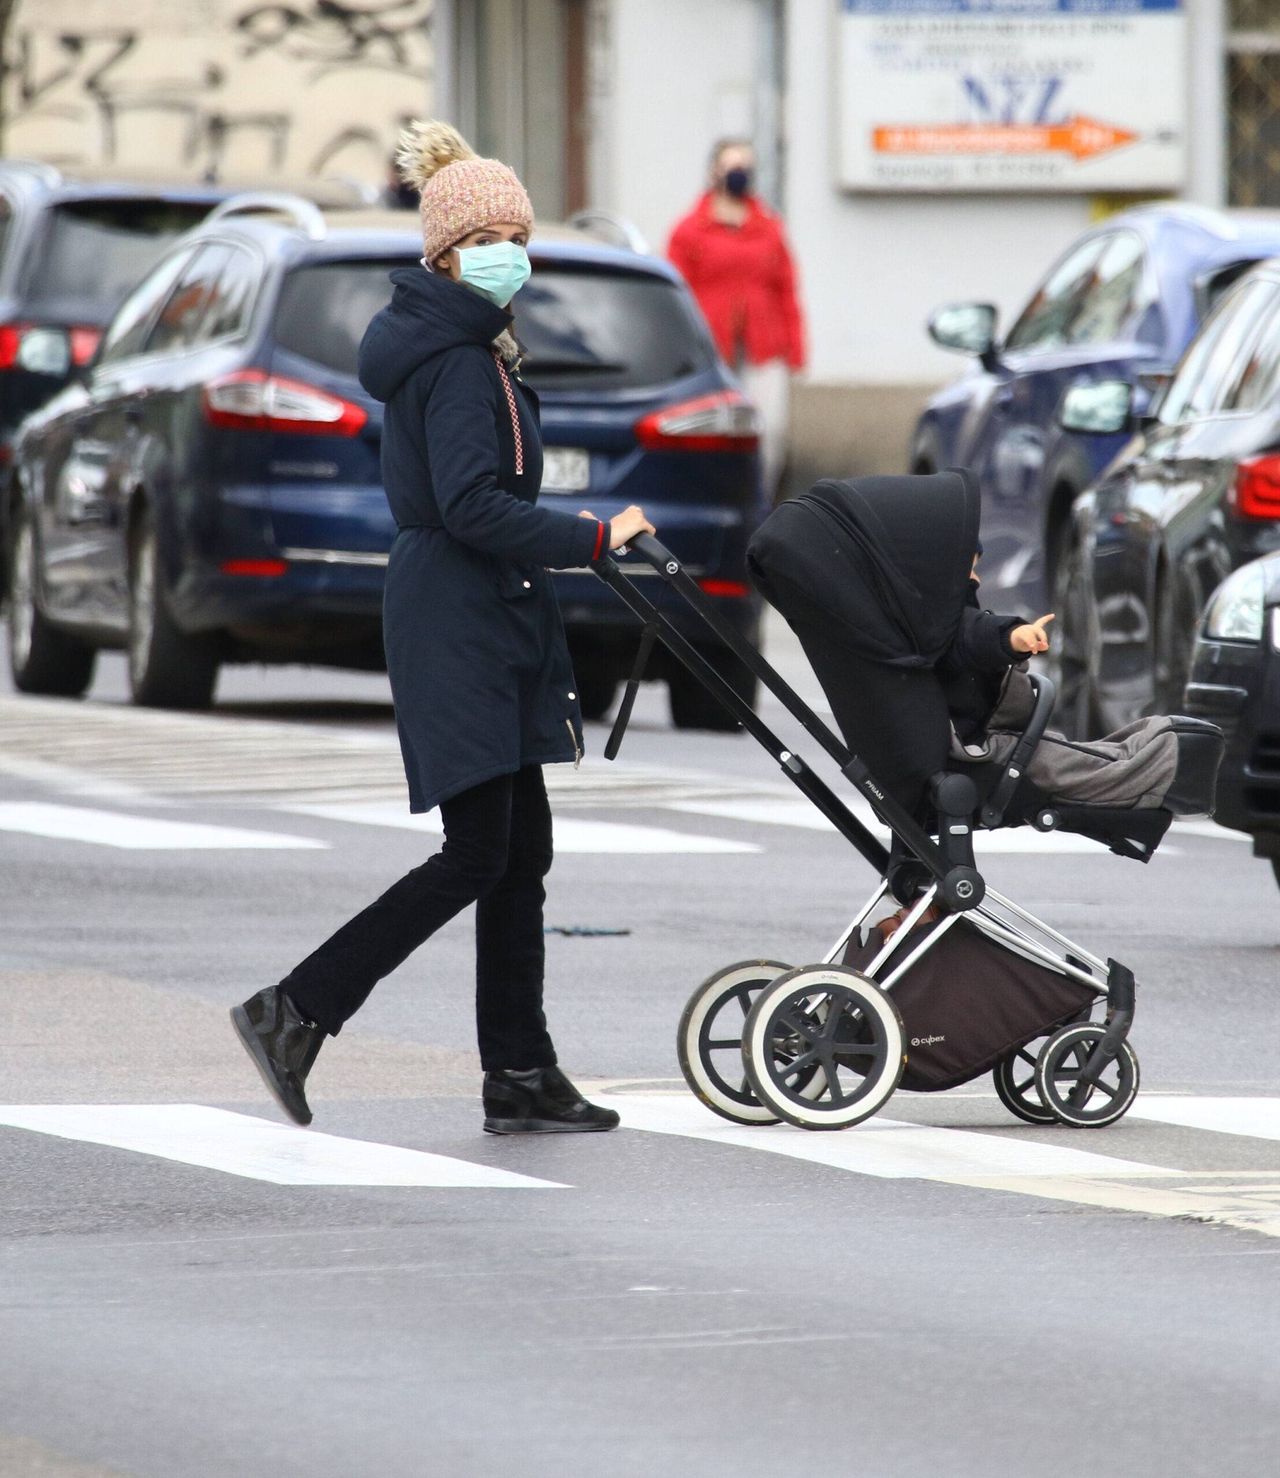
{"type": "Point", "coordinates": [872, 574]}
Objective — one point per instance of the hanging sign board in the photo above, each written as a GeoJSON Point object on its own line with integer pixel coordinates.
{"type": "Point", "coordinates": [980, 95]}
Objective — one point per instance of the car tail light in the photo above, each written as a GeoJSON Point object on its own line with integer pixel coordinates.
{"type": "Point", "coordinates": [1257, 489]}
{"type": "Point", "coordinates": [45, 349]}
{"type": "Point", "coordinates": [250, 400]}
{"type": "Point", "coordinates": [84, 344]}
{"type": "Point", "coordinates": [725, 589]}
{"type": "Point", "coordinates": [254, 567]}
{"type": "Point", "coordinates": [724, 422]}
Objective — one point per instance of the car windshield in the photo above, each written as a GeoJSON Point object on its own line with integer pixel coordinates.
{"type": "Point", "coordinates": [582, 330]}
{"type": "Point", "coordinates": [95, 250]}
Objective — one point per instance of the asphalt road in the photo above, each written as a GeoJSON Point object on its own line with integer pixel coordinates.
{"type": "Point", "coordinates": [942, 1289]}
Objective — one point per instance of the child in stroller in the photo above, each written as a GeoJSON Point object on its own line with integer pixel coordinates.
{"type": "Point", "coordinates": [944, 731]}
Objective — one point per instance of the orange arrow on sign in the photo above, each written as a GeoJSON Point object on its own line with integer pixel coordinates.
{"type": "Point", "coordinates": [1082, 138]}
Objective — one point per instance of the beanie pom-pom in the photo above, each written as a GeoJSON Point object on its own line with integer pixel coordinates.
{"type": "Point", "coordinates": [425, 147]}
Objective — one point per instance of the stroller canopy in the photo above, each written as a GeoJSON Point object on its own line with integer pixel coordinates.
{"type": "Point", "coordinates": [881, 562]}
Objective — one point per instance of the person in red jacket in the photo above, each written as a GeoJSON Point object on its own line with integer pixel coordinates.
{"type": "Point", "coordinates": [732, 252]}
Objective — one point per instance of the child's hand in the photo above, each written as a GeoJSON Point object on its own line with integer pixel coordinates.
{"type": "Point", "coordinates": [1031, 638]}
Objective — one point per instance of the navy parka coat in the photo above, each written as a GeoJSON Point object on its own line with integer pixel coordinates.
{"type": "Point", "coordinates": [476, 652]}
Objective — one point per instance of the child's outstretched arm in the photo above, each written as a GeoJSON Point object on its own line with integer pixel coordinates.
{"type": "Point", "coordinates": [1032, 637]}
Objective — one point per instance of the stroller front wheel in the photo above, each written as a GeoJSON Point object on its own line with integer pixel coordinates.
{"type": "Point", "coordinates": [831, 1019]}
{"type": "Point", "coordinates": [1060, 1068]}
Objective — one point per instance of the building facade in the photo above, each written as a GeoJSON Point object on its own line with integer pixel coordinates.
{"type": "Point", "coordinates": [1188, 89]}
{"type": "Point", "coordinates": [215, 87]}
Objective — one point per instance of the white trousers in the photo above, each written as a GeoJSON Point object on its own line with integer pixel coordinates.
{"type": "Point", "coordinates": [768, 387]}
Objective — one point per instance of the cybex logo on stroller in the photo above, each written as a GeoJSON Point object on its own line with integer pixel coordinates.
{"type": "Point", "coordinates": [927, 1041]}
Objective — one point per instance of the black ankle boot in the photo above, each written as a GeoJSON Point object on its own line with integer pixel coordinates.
{"type": "Point", "coordinates": [283, 1045]}
{"type": "Point", "coordinates": [540, 1101]}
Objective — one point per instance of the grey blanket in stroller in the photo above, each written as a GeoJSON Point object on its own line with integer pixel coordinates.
{"type": "Point", "coordinates": [1143, 765]}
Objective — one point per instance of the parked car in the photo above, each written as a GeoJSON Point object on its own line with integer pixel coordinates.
{"type": "Point", "coordinates": [208, 490]}
{"type": "Point", "coordinates": [72, 244]}
{"type": "Point", "coordinates": [1193, 495]}
{"type": "Point", "coordinates": [1122, 303]}
{"type": "Point", "coordinates": [70, 249]}
{"type": "Point", "coordinates": [1235, 681]}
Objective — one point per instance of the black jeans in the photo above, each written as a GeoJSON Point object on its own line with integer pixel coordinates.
{"type": "Point", "coordinates": [497, 851]}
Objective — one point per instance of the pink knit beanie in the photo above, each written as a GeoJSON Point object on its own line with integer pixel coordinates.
{"type": "Point", "coordinates": [460, 192]}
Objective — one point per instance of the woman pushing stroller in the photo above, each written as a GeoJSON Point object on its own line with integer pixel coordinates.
{"type": "Point", "coordinates": [480, 674]}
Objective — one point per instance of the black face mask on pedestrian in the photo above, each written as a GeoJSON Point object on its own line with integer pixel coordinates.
{"type": "Point", "coordinates": [737, 182]}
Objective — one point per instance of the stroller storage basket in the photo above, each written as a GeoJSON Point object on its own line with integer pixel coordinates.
{"type": "Point", "coordinates": [967, 1001]}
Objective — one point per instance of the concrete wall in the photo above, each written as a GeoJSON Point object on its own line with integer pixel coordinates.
{"type": "Point", "coordinates": [248, 86]}
{"type": "Point", "coordinates": [669, 77]}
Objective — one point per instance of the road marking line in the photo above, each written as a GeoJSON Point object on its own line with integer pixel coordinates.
{"type": "Point", "coordinates": [140, 833]}
{"type": "Point", "coordinates": [256, 1149]}
{"type": "Point", "coordinates": [1253, 1118]}
{"type": "Point", "coordinates": [891, 1149]}
{"type": "Point", "coordinates": [572, 834]}
{"type": "Point", "coordinates": [888, 1148]}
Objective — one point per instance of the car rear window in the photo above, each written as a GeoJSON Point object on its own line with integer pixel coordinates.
{"type": "Point", "coordinates": [324, 309]}
{"type": "Point", "coordinates": [592, 329]}
{"type": "Point", "coordinates": [583, 330]}
{"type": "Point", "coordinates": [96, 250]}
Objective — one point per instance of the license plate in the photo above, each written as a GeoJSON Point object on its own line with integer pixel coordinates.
{"type": "Point", "coordinates": [565, 469]}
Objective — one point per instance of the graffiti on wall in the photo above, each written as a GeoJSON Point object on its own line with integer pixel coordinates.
{"type": "Point", "coordinates": [217, 87]}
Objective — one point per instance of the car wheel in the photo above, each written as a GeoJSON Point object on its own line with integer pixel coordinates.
{"type": "Point", "coordinates": [597, 689]}
{"type": "Point", "coordinates": [1172, 643]}
{"type": "Point", "coordinates": [1071, 656]}
{"type": "Point", "coordinates": [41, 658]}
{"type": "Point", "coordinates": [693, 707]}
{"type": "Point", "coordinates": [167, 668]}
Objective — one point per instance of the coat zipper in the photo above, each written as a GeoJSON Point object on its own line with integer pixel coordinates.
{"type": "Point", "coordinates": [577, 748]}
{"type": "Point", "coordinates": [511, 406]}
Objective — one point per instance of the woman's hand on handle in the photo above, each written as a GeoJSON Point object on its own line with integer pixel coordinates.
{"type": "Point", "coordinates": [624, 526]}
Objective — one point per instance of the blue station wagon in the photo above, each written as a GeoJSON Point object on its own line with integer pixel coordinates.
{"type": "Point", "coordinates": [209, 490]}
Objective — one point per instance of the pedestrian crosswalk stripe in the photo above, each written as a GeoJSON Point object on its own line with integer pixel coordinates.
{"type": "Point", "coordinates": [1251, 1118]}
{"type": "Point", "coordinates": [887, 1148]}
{"type": "Point", "coordinates": [572, 833]}
{"type": "Point", "coordinates": [238, 1144]}
{"type": "Point", "coordinates": [1013, 1162]}
{"type": "Point", "coordinates": [139, 833]}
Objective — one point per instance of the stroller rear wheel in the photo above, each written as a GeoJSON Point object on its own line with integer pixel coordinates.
{"type": "Point", "coordinates": [1060, 1066]}
{"type": "Point", "coordinates": [709, 1040]}
{"type": "Point", "coordinates": [831, 1019]}
{"type": "Point", "coordinates": [1015, 1083]}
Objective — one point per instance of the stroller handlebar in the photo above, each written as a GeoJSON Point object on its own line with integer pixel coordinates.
{"type": "Point", "coordinates": [654, 552]}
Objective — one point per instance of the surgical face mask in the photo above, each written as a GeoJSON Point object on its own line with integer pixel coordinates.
{"type": "Point", "coordinates": [738, 182]}
{"type": "Point", "coordinates": [497, 271]}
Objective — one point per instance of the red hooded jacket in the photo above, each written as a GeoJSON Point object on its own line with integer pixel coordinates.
{"type": "Point", "coordinates": [744, 280]}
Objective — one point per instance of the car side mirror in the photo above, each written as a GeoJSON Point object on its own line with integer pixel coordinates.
{"type": "Point", "coordinates": [1153, 386]}
{"type": "Point", "coordinates": [969, 328]}
{"type": "Point", "coordinates": [1100, 409]}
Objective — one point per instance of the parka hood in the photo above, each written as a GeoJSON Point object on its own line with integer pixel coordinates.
{"type": "Point", "coordinates": [428, 313]}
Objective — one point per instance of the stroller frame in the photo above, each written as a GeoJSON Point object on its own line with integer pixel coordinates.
{"type": "Point", "coordinates": [939, 871]}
